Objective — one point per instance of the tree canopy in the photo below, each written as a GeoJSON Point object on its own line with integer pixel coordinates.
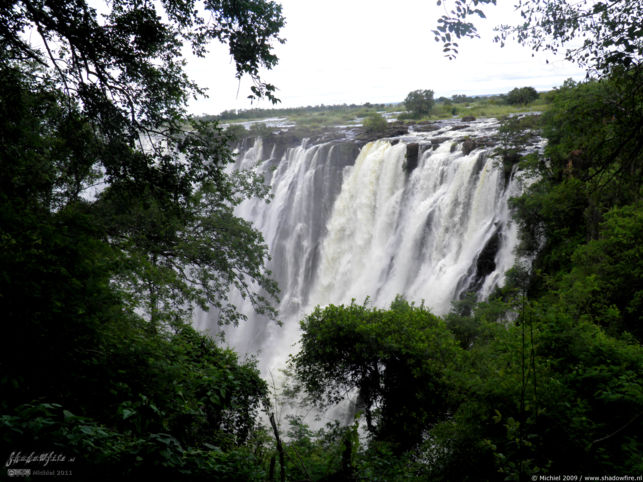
{"type": "Point", "coordinates": [419, 102]}
{"type": "Point", "coordinates": [162, 195]}
{"type": "Point", "coordinates": [396, 360]}
{"type": "Point", "coordinates": [116, 215]}
{"type": "Point", "coordinates": [601, 36]}
{"type": "Point", "coordinates": [522, 95]}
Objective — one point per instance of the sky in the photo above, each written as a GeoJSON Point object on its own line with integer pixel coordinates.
{"type": "Point", "coordinates": [358, 51]}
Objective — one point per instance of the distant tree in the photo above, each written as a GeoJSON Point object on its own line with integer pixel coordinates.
{"type": "Point", "coordinates": [522, 95]}
{"type": "Point", "coordinates": [419, 102]}
{"type": "Point", "coordinates": [375, 123]}
{"type": "Point", "coordinates": [460, 98]}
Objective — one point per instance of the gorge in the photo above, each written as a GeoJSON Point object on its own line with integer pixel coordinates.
{"type": "Point", "coordinates": [423, 214]}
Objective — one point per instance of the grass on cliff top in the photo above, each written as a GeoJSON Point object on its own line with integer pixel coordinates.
{"type": "Point", "coordinates": [487, 107]}
{"type": "Point", "coordinates": [333, 116]}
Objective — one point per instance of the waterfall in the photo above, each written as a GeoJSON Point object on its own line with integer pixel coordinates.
{"type": "Point", "coordinates": [413, 215]}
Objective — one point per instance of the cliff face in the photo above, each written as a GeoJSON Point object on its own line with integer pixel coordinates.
{"type": "Point", "coordinates": [420, 213]}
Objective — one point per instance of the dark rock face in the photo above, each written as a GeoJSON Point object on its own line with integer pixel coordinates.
{"type": "Point", "coordinates": [394, 129]}
{"type": "Point", "coordinates": [468, 145]}
{"type": "Point", "coordinates": [412, 155]}
{"type": "Point", "coordinates": [435, 142]}
{"type": "Point", "coordinates": [486, 263]}
{"type": "Point", "coordinates": [483, 266]}
{"type": "Point", "coordinates": [425, 126]}
{"type": "Point", "coordinates": [278, 141]}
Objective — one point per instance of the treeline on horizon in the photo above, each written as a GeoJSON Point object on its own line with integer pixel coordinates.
{"type": "Point", "coordinates": [263, 113]}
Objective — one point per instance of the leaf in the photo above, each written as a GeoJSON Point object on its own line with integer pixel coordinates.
{"type": "Point", "coordinates": [127, 413]}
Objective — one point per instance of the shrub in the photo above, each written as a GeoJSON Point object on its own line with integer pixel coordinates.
{"type": "Point", "coordinates": [375, 123]}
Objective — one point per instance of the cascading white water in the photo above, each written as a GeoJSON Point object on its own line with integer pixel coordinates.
{"type": "Point", "coordinates": [348, 224]}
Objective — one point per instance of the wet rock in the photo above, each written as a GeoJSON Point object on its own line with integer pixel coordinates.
{"type": "Point", "coordinates": [435, 142]}
{"type": "Point", "coordinates": [412, 155]}
{"type": "Point", "coordinates": [468, 118]}
{"type": "Point", "coordinates": [394, 129]}
{"type": "Point", "coordinates": [426, 126]}
{"type": "Point", "coordinates": [468, 146]}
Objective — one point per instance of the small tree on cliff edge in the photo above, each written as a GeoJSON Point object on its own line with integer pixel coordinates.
{"type": "Point", "coordinates": [375, 123]}
{"type": "Point", "coordinates": [419, 102]}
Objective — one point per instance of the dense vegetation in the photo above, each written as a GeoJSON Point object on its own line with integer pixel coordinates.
{"type": "Point", "coordinates": [325, 116]}
{"type": "Point", "coordinates": [116, 216]}
{"type": "Point", "coordinates": [116, 220]}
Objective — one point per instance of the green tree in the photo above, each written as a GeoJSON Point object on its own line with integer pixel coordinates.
{"type": "Point", "coordinates": [397, 360]}
{"type": "Point", "coordinates": [116, 215]}
{"type": "Point", "coordinates": [515, 416]}
{"type": "Point", "coordinates": [604, 284]}
{"type": "Point", "coordinates": [514, 134]}
{"type": "Point", "coordinates": [522, 95]}
{"type": "Point", "coordinates": [592, 165]}
{"type": "Point", "coordinates": [419, 102]}
{"type": "Point", "coordinates": [460, 98]}
{"type": "Point", "coordinates": [118, 94]}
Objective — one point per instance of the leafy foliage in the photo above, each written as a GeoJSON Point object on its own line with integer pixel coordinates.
{"type": "Point", "coordinates": [109, 94]}
{"type": "Point", "coordinates": [516, 418]}
{"type": "Point", "coordinates": [522, 95]}
{"type": "Point", "coordinates": [506, 393]}
{"type": "Point", "coordinates": [604, 36]}
{"type": "Point", "coordinates": [590, 177]}
{"type": "Point", "coordinates": [117, 219]}
{"type": "Point", "coordinates": [454, 25]}
{"type": "Point", "coordinates": [375, 123]}
{"type": "Point", "coordinates": [419, 102]}
{"type": "Point", "coordinates": [516, 135]}
{"type": "Point", "coordinates": [396, 360]}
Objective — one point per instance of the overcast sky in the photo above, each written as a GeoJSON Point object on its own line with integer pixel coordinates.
{"type": "Point", "coordinates": [357, 51]}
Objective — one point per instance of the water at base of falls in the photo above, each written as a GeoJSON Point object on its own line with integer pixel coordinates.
{"type": "Point", "coordinates": [413, 215]}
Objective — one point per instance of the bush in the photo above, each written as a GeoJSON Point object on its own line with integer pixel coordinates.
{"type": "Point", "coordinates": [236, 131]}
{"type": "Point", "coordinates": [375, 123]}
